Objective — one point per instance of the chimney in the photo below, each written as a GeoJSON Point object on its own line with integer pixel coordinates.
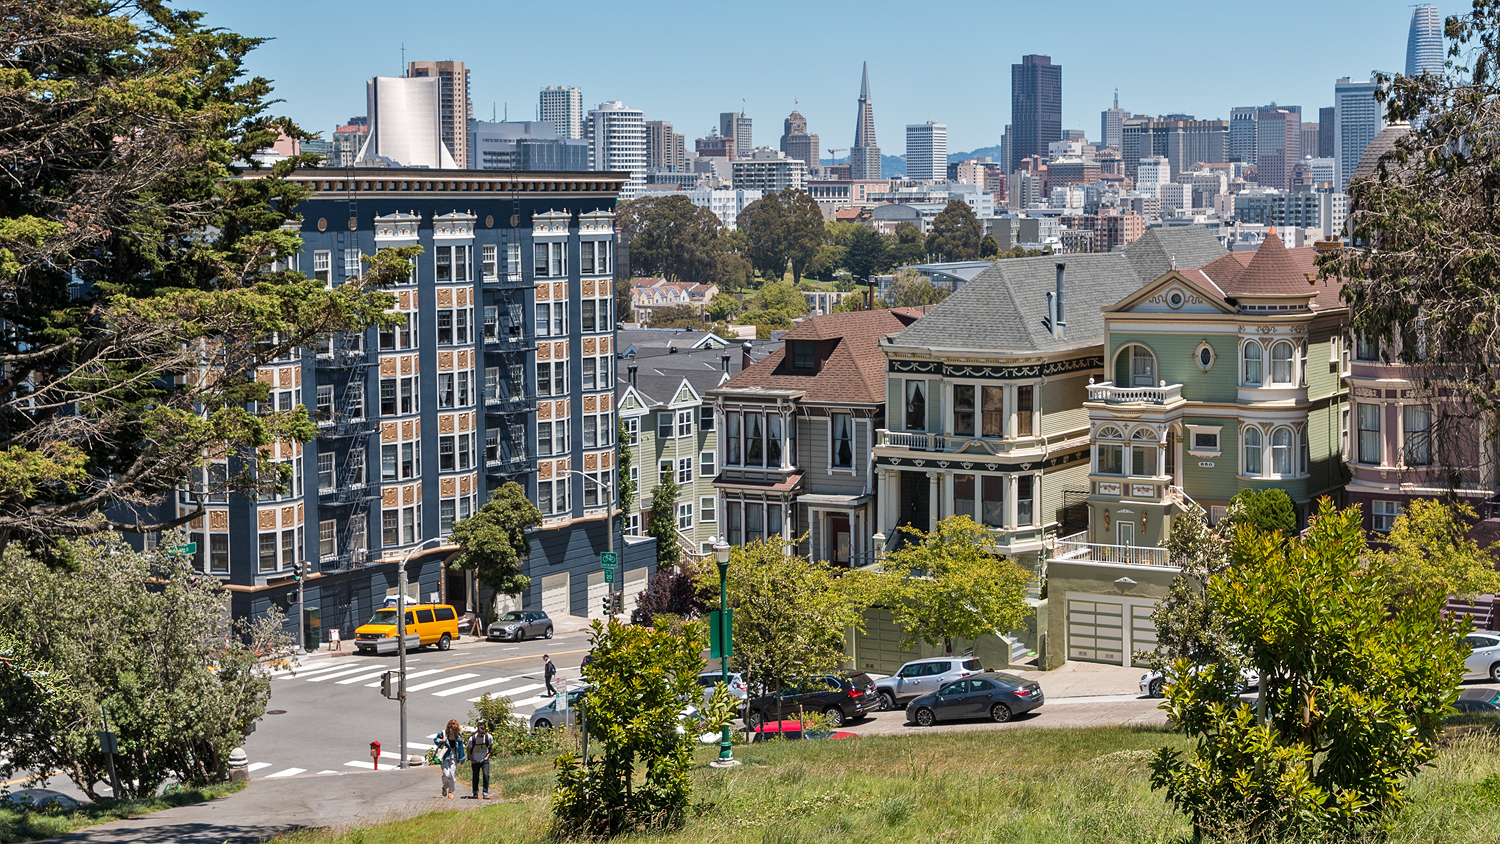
{"type": "Point", "coordinates": [745, 361]}
{"type": "Point", "coordinates": [630, 373]}
{"type": "Point", "coordinates": [724, 361]}
{"type": "Point", "coordinates": [1056, 310]}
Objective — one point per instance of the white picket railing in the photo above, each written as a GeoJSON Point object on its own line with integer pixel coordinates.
{"type": "Point", "coordinates": [1108, 393]}
{"type": "Point", "coordinates": [1075, 548]}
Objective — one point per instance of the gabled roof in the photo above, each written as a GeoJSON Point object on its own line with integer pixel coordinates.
{"type": "Point", "coordinates": [852, 373]}
{"type": "Point", "coordinates": [1004, 308]}
{"type": "Point", "coordinates": [1273, 271]}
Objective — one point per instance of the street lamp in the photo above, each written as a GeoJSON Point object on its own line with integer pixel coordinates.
{"type": "Point", "coordinates": [726, 635]}
{"type": "Point", "coordinates": [401, 635]}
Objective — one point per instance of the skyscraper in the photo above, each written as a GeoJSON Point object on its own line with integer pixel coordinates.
{"type": "Point", "coordinates": [455, 109]}
{"type": "Point", "coordinates": [1242, 134]}
{"type": "Point", "coordinates": [737, 126]}
{"type": "Point", "coordinates": [796, 142]}
{"type": "Point", "coordinates": [664, 147]}
{"type": "Point", "coordinates": [864, 156]}
{"type": "Point", "coordinates": [1110, 122]}
{"type": "Point", "coordinates": [1325, 132]}
{"type": "Point", "coordinates": [406, 125]}
{"type": "Point", "coordinates": [1035, 107]}
{"type": "Point", "coordinates": [617, 143]}
{"type": "Point", "coordinates": [1424, 43]}
{"type": "Point", "coordinates": [563, 108]}
{"type": "Point", "coordinates": [1358, 118]}
{"type": "Point", "coordinates": [1278, 144]}
{"type": "Point", "coordinates": [927, 151]}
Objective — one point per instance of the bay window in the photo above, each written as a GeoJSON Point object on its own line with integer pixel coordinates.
{"type": "Point", "coordinates": [963, 410]}
{"type": "Point", "coordinates": [1252, 451]}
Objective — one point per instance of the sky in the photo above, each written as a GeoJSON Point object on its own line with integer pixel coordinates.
{"type": "Point", "coordinates": [949, 62]}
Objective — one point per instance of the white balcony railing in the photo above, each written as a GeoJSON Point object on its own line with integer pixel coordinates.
{"type": "Point", "coordinates": [1108, 393]}
{"type": "Point", "coordinates": [1075, 549]}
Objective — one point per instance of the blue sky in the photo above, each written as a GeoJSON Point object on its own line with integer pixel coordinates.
{"type": "Point", "coordinates": [933, 60]}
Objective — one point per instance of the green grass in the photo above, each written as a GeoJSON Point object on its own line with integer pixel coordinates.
{"type": "Point", "coordinates": [31, 826]}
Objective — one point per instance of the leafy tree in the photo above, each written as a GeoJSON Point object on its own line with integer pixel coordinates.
{"type": "Point", "coordinates": [1187, 627]}
{"type": "Point", "coordinates": [676, 316]}
{"type": "Point", "coordinates": [1429, 547]}
{"type": "Point", "coordinates": [955, 584]}
{"type": "Point", "coordinates": [829, 258]}
{"type": "Point", "coordinates": [624, 457]}
{"type": "Point", "coordinates": [123, 125]}
{"type": "Point", "coordinates": [662, 523]}
{"type": "Point", "coordinates": [146, 637]}
{"type": "Point", "coordinates": [623, 306]}
{"type": "Point", "coordinates": [1355, 682]}
{"type": "Point", "coordinates": [780, 229]}
{"type": "Point", "coordinates": [867, 255]}
{"type": "Point", "coordinates": [671, 237]}
{"type": "Point", "coordinates": [638, 678]}
{"type": "Point", "coordinates": [775, 306]}
{"type": "Point", "coordinates": [675, 591]}
{"type": "Point", "coordinates": [494, 542]}
{"type": "Point", "coordinates": [912, 289]}
{"type": "Point", "coordinates": [989, 247]}
{"type": "Point", "coordinates": [722, 308]}
{"type": "Point", "coordinates": [909, 247]}
{"type": "Point", "coordinates": [1268, 510]}
{"type": "Point", "coordinates": [842, 233]}
{"type": "Point", "coordinates": [955, 233]}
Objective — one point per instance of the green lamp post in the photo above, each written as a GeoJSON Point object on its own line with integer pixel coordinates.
{"type": "Point", "coordinates": [724, 637]}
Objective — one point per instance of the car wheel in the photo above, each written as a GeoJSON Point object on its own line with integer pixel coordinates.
{"type": "Point", "coordinates": [887, 702]}
{"type": "Point", "coordinates": [547, 634]}
{"type": "Point", "coordinates": [1000, 713]}
{"type": "Point", "coordinates": [923, 717]}
{"type": "Point", "coordinates": [445, 643]}
{"type": "Point", "coordinates": [1154, 690]}
{"type": "Point", "coordinates": [1495, 672]}
{"type": "Point", "coordinates": [543, 724]}
{"type": "Point", "coordinates": [835, 716]}
{"type": "Point", "coordinates": [520, 634]}
{"type": "Point", "coordinates": [756, 720]}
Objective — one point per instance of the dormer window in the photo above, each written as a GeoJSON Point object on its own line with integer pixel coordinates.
{"type": "Point", "coordinates": [803, 355]}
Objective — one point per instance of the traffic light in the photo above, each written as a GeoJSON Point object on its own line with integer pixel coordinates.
{"type": "Point", "coordinates": [609, 602]}
{"type": "Point", "coordinates": [387, 683]}
{"type": "Point", "coordinates": [298, 571]}
{"type": "Point", "coordinates": [617, 602]}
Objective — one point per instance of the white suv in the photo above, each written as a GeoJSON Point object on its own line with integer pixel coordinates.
{"type": "Point", "coordinates": [923, 676]}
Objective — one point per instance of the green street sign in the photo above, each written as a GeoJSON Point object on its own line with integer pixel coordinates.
{"type": "Point", "coordinates": [183, 550]}
{"type": "Point", "coordinates": [609, 575]}
{"type": "Point", "coordinates": [720, 634]}
{"type": "Point", "coordinates": [609, 560]}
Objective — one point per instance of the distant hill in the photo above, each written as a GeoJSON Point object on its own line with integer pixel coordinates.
{"type": "Point", "coordinates": [993, 153]}
{"type": "Point", "coordinates": [892, 166]}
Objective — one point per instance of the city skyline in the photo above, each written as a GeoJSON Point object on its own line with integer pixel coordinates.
{"type": "Point", "coordinates": [321, 79]}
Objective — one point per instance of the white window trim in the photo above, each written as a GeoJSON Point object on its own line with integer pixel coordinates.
{"type": "Point", "coordinates": [1194, 430]}
{"type": "Point", "coordinates": [853, 468]}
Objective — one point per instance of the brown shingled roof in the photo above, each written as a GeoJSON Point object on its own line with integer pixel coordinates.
{"type": "Point", "coordinates": [1273, 270]}
{"type": "Point", "coordinates": [853, 373]}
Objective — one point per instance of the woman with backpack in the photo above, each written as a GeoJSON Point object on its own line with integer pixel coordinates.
{"type": "Point", "coordinates": [450, 752]}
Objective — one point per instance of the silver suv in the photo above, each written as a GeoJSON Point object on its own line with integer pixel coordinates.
{"type": "Point", "coordinates": [923, 677]}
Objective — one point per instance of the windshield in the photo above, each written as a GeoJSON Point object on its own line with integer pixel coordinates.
{"type": "Point", "coordinates": [383, 617]}
{"type": "Point", "coordinates": [511, 616]}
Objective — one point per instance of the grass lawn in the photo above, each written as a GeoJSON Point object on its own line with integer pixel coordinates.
{"type": "Point", "coordinates": [31, 826]}
{"type": "Point", "coordinates": [1004, 786]}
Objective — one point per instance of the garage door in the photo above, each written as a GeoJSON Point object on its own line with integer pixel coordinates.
{"type": "Point", "coordinates": [1142, 632]}
{"type": "Point", "coordinates": [635, 584]}
{"type": "Point", "coordinates": [555, 594]}
{"type": "Point", "coordinates": [597, 590]}
{"type": "Point", "coordinates": [1095, 632]}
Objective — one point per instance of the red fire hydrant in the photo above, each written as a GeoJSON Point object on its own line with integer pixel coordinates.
{"type": "Point", "coordinates": [375, 753]}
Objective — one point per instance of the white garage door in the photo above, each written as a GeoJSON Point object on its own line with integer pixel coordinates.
{"type": "Point", "coordinates": [1142, 632]}
{"type": "Point", "coordinates": [635, 584]}
{"type": "Point", "coordinates": [1095, 632]}
{"type": "Point", "coordinates": [597, 590]}
{"type": "Point", "coordinates": [555, 594]}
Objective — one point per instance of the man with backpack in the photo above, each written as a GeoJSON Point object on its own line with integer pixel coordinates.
{"type": "Point", "coordinates": [479, 759]}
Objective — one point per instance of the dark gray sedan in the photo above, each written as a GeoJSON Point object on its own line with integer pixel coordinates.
{"type": "Point", "coordinates": [521, 624]}
{"type": "Point", "coordinates": [989, 694]}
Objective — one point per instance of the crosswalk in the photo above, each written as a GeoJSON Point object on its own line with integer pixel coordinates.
{"type": "Point", "coordinates": [438, 682]}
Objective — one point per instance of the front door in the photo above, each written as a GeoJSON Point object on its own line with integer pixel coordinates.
{"type": "Point", "coordinates": [839, 536]}
{"type": "Point", "coordinates": [1125, 532]}
{"type": "Point", "coordinates": [916, 494]}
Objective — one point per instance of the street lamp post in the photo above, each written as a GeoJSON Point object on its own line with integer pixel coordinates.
{"type": "Point", "coordinates": [401, 637]}
{"type": "Point", "coordinates": [726, 635]}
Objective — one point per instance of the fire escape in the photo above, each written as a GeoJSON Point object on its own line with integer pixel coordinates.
{"type": "Point", "coordinates": [344, 430]}
{"type": "Point", "coordinates": [507, 401]}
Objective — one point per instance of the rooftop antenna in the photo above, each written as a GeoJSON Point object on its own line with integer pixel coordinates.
{"type": "Point", "coordinates": [403, 58]}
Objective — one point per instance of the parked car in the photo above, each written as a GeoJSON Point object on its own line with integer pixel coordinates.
{"type": "Point", "coordinates": [1484, 656]}
{"type": "Point", "coordinates": [844, 696]}
{"type": "Point", "coordinates": [923, 676]}
{"type": "Point", "coordinates": [551, 715]}
{"type": "Point", "coordinates": [426, 624]}
{"type": "Point", "coordinates": [709, 679]}
{"type": "Point", "coordinates": [989, 694]}
{"type": "Point", "coordinates": [1153, 682]}
{"type": "Point", "coordinates": [1478, 700]}
{"type": "Point", "coordinates": [520, 624]}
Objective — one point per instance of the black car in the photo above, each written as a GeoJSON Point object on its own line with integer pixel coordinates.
{"type": "Point", "coordinates": [1478, 700]}
{"type": "Point", "coordinates": [844, 696]}
{"type": "Point", "coordinates": [989, 694]}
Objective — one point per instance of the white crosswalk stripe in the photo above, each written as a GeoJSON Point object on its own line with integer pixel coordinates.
{"type": "Point", "coordinates": [304, 673]}
{"type": "Point", "coordinates": [368, 766]}
{"type": "Point", "coordinates": [533, 701]}
{"type": "Point", "coordinates": [358, 677]}
{"type": "Point", "coordinates": [358, 669]}
{"type": "Point", "coordinates": [511, 693]}
{"type": "Point", "coordinates": [472, 686]}
{"type": "Point", "coordinates": [289, 772]}
{"type": "Point", "coordinates": [410, 675]}
{"type": "Point", "coordinates": [435, 683]}
{"type": "Point", "coordinates": [415, 746]}
{"type": "Point", "coordinates": [256, 766]}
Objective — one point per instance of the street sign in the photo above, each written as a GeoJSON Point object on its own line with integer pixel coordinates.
{"type": "Point", "coordinates": [609, 575]}
{"type": "Point", "coordinates": [183, 550]}
{"type": "Point", "coordinates": [108, 742]}
{"type": "Point", "coordinates": [609, 560]}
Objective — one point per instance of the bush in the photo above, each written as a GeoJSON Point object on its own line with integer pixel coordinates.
{"type": "Point", "coordinates": [510, 734]}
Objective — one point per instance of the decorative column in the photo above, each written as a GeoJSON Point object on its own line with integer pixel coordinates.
{"type": "Point", "coordinates": [1010, 502]}
{"type": "Point", "coordinates": [1009, 411]}
{"type": "Point", "coordinates": [934, 498]}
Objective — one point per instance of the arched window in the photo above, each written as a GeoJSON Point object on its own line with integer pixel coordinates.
{"type": "Point", "coordinates": [1302, 451]}
{"type": "Point", "coordinates": [1135, 367]}
{"type": "Point", "coordinates": [1143, 452]}
{"type": "Point", "coordinates": [1251, 437]}
{"type": "Point", "coordinates": [1111, 456]}
{"type": "Point", "coordinates": [1281, 452]}
{"type": "Point", "coordinates": [1252, 353]}
{"type": "Point", "coordinates": [1281, 363]}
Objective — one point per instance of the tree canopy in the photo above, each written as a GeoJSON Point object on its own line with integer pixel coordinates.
{"type": "Point", "coordinates": [494, 541]}
{"type": "Point", "coordinates": [676, 316]}
{"type": "Point", "coordinates": [142, 281]}
{"type": "Point", "coordinates": [1267, 510]}
{"type": "Point", "coordinates": [1428, 546]}
{"type": "Point", "coordinates": [867, 253]}
{"type": "Point", "coordinates": [669, 236]}
{"type": "Point", "coordinates": [781, 229]}
{"type": "Point", "coordinates": [911, 289]}
{"type": "Point", "coordinates": [955, 233]}
{"type": "Point", "coordinates": [662, 523]}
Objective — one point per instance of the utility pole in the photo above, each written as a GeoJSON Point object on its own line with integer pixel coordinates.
{"type": "Point", "coordinates": [401, 650]}
{"type": "Point", "coordinates": [302, 604]}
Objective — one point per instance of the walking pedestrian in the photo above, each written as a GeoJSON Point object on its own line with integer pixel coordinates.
{"type": "Point", "coordinates": [479, 760]}
{"type": "Point", "coordinates": [450, 750]}
{"type": "Point", "coordinates": [548, 672]}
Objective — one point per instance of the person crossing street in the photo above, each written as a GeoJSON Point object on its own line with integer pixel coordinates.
{"type": "Point", "coordinates": [548, 672]}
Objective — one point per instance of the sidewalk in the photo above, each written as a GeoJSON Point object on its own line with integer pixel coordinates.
{"type": "Point", "coordinates": [561, 626]}
{"type": "Point", "coordinates": [1085, 679]}
{"type": "Point", "coordinates": [268, 808]}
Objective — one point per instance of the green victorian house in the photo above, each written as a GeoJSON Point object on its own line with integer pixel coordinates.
{"type": "Point", "coordinates": [1221, 378]}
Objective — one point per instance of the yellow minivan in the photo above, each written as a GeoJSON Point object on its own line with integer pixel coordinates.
{"type": "Point", "coordinates": [426, 624]}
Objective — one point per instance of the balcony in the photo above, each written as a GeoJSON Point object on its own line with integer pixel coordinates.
{"type": "Point", "coordinates": [1077, 549]}
{"type": "Point", "coordinates": [1107, 392]}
